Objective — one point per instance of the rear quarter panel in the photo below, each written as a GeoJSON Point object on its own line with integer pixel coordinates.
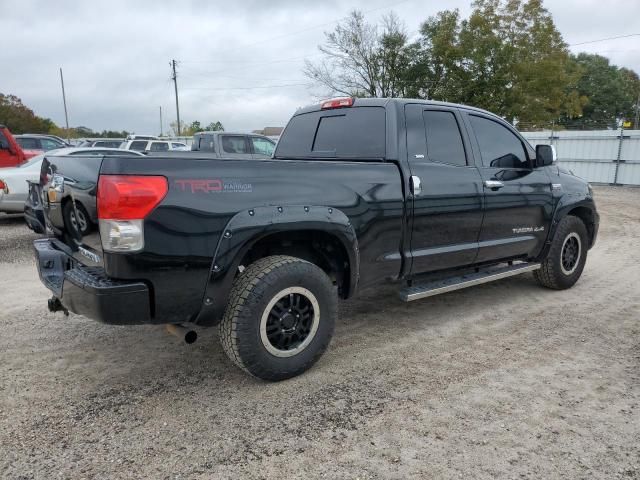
{"type": "Point", "coordinates": [183, 232]}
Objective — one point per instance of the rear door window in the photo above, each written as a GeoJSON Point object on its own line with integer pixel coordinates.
{"type": "Point", "coordinates": [28, 143]}
{"type": "Point", "coordinates": [356, 132]}
{"type": "Point", "coordinates": [235, 144]}
{"type": "Point", "coordinates": [444, 141]}
{"type": "Point", "coordinates": [48, 144]}
{"type": "Point", "coordinates": [138, 145]}
{"type": "Point", "coordinates": [159, 147]}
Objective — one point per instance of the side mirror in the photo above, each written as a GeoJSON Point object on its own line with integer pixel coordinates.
{"type": "Point", "coordinates": [545, 155]}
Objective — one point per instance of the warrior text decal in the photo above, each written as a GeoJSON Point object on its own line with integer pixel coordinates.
{"type": "Point", "coordinates": [212, 185]}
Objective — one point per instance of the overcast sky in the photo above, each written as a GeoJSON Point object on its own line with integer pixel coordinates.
{"type": "Point", "coordinates": [239, 62]}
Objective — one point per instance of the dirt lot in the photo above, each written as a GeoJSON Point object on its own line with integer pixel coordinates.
{"type": "Point", "coordinates": [504, 380]}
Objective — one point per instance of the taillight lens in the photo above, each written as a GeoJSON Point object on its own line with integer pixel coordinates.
{"type": "Point", "coordinates": [337, 103]}
{"type": "Point", "coordinates": [123, 203]}
{"type": "Point", "coordinates": [3, 186]}
{"type": "Point", "coordinates": [129, 197]}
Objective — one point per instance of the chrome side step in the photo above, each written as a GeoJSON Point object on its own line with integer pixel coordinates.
{"type": "Point", "coordinates": [469, 280]}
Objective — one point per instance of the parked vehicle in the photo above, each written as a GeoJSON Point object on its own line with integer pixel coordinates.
{"type": "Point", "coordinates": [230, 145]}
{"type": "Point", "coordinates": [141, 137]}
{"type": "Point", "coordinates": [41, 143]}
{"type": "Point", "coordinates": [101, 142]}
{"type": "Point", "coordinates": [154, 146]}
{"type": "Point", "coordinates": [432, 196]}
{"type": "Point", "coordinates": [61, 140]}
{"type": "Point", "coordinates": [13, 184]}
{"type": "Point", "coordinates": [14, 181]}
{"type": "Point", "coordinates": [11, 154]}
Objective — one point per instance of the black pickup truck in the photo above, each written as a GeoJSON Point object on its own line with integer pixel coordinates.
{"type": "Point", "coordinates": [431, 196]}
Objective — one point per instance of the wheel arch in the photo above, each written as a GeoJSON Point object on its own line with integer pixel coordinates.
{"type": "Point", "coordinates": [319, 234]}
{"type": "Point", "coordinates": [582, 207]}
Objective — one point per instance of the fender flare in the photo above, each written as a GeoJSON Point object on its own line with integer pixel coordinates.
{"type": "Point", "coordinates": [249, 226]}
{"type": "Point", "coordinates": [566, 204]}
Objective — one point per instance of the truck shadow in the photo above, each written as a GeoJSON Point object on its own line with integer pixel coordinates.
{"type": "Point", "coordinates": [376, 319]}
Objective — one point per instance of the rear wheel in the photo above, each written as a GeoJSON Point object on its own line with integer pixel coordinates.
{"type": "Point", "coordinates": [280, 317]}
{"type": "Point", "coordinates": [568, 253]}
{"type": "Point", "coordinates": [77, 219]}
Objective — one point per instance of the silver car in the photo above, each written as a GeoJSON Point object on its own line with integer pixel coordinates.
{"type": "Point", "coordinates": [14, 188]}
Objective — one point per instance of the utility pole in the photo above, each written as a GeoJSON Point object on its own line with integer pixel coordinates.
{"type": "Point", "coordinates": [175, 85]}
{"type": "Point", "coordinates": [64, 102]}
{"type": "Point", "coordinates": [160, 120]}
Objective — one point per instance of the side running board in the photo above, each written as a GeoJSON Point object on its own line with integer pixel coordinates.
{"type": "Point", "coordinates": [490, 274]}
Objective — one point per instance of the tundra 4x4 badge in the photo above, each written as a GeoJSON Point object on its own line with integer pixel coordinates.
{"type": "Point", "coordinates": [528, 229]}
{"type": "Point", "coordinates": [212, 185]}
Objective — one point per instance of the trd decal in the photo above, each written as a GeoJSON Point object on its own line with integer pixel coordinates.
{"type": "Point", "coordinates": [212, 185]}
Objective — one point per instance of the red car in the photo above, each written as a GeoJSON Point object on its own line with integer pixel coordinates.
{"type": "Point", "coordinates": [11, 154]}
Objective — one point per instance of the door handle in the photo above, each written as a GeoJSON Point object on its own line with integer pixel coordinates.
{"type": "Point", "coordinates": [416, 185]}
{"type": "Point", "coordinates": [493, 184]}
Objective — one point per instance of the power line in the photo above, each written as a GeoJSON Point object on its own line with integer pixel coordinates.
{"type": "Point", "coordinates": [297, 32]}
{"type": "Point", "coordinates": [246, 88]}
{"type": "Point", "coordinates": [605, 39]}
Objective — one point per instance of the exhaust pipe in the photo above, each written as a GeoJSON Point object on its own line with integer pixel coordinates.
{"type": "Point", "coordinates": [184, 333]}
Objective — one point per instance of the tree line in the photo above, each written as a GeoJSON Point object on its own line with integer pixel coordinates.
{"type": "Point", "coordinates": [188, 129]}
{"type": "Point", "coordinates": [21, 119]}
{"type": "Point", "coordinates": [507, 57]}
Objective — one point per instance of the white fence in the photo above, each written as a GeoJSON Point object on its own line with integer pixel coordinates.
{"type": "Point", "coordinates": [599, 156]}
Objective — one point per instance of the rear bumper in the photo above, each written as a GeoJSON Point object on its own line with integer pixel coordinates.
{"type": "Point", "coordinates": [87, 290]}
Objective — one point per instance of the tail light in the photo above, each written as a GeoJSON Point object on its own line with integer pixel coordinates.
{"type": "Point", "coordinates": [3, 187]}
{"type": "Point", "coordinates": [123, 203]}
{"type": "Point", "coordinates": [337, 103]}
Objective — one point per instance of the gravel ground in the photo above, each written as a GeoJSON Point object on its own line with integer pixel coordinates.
{"type": "Point", "coordinates": [504, 380]}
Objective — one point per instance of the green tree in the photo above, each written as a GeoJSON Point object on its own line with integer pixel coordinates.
{"type": "Point", "coordinates": [194, 127]}
{"type": "Point", "coordinates": [215, 127]}
{"type": "Point", "coordinates": [21, 119]}
{"type": "Point", "coordinates": [507, 57]}
{"type": "Point", "coordinates": [612, 92]}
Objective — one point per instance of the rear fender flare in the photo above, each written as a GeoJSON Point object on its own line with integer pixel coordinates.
{"type": "Point", "coordinates": [248, 227]}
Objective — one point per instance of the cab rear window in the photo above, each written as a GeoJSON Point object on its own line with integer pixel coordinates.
{"type": "Point", "coordinates": [344, 133]}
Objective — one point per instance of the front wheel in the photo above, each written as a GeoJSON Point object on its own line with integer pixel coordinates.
{"type": "Point", "coordinates": [280, 317]}
{"type": "Point", "coordinates": [568, 253]}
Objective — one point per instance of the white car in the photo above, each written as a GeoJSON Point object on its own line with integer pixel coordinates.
{"type": "Point", "coordinates": [14, 188]}
{"type": "Point", "coordinates": [155, 146]}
